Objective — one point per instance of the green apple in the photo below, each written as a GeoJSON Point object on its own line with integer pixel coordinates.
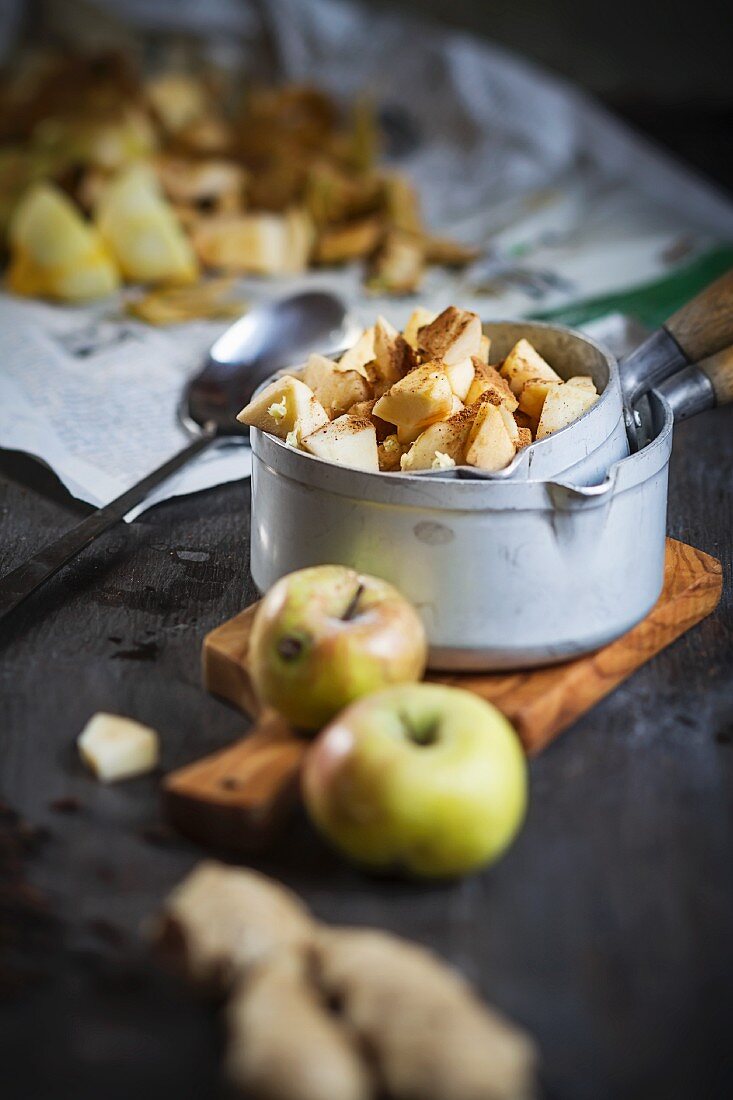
{"type": "Point", "coordinates": [419, 777]}
{"type": "Point", "coordinates": [325, 636]}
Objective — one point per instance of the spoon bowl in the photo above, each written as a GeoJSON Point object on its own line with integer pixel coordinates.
{"type": "Point", "coordinates": [263, 341]}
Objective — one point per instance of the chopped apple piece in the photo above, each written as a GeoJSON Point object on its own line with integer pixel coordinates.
{"type": "Point", "coordinates": [509, 423]}
{"type": "Point", "coordinates": [177, 99]}
{"type": "Point", "coordinates": [397, 267]}
{"type": "Point", "coordinates": [490, 446]}
{"type": "Point", "coordinates": [460, 376]}
{"type": "Point", "coordinates": [488, 380]}
{"type": "Point", "coordinates": [260, 244]}
{"type": "Point", "coordinates": [390, 451]}
{"type": "Point", "coordinates": [336, 389]}
{"type": "Point", "coordinates": [393, 357]}
{"type": "Point", "coordinates": [533, 394]}
{"type": "Point", "coordinates": [407, 434]}
{"type": "Point", "coordinates": [54, 253]}
{"type": "Point", "coordinates": [563, 405]}
{"type": "Point", "coordinates": [418, 319]}
{"type": "Point", "coordinates": [339, 244]}
{"type": "Point", "coordinates": [583, 380]}
{"type": "Point", "coordinates": [286, 405]}
{"type": "Point", "coordinates": [348, 441]}
{"type": "Point", "coordinates": [454, 335]}
{"type": "Point", "coordinates": [524, 363]}
{"type": "Point", "coordinates": [142, 232]}
{"type": "Point", "coordinates": [524, 438]}
{"type": "Point", "coordinates": [422, 396]}
{"type": "Point", "coordinates": [448, 437]}
{"type": "Point", "coordinates": [366, 409]}
{"type": "Point", "coordinates": [359, 354]}
{"type": "Point", "coordinates": [117, 748]}
{"type": "Point", "coordinates": [484, 349]}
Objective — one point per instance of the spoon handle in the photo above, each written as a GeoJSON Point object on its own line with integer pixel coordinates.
{"type": "Point", "coordinates": [26, 578]}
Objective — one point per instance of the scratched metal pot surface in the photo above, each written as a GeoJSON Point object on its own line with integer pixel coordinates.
{"type": "Point", "coordinates": [506, 574]}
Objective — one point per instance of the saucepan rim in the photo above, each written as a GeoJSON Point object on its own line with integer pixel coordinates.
{"type": "Point", "coordinates": [468, 494]}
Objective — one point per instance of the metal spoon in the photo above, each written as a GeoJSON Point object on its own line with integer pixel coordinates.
{"type": "Point", "coordinates": [265, 339]}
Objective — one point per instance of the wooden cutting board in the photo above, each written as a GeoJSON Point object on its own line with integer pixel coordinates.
{"type": "Point", "coordinates": [239, 798]}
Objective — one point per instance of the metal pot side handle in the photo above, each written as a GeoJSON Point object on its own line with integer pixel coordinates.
{"type": "Point", "coordinates": [701, 328]}
{"type": "Point", "coordinates": [704, 386]}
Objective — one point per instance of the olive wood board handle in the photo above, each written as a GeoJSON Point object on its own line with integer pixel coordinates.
{"type": "Point", "coordinates": [238, 798]}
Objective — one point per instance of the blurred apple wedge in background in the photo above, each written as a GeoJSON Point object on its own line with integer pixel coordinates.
{"type": "Point", "coordinates": [286, 405]}
{"type": "Point", "coordinates": [325, 636]}
{"type": "Point", "coordinates": [422, 778]}
{"type": "Point", "coordinates": [54, 253]}
{"type": "Point", "coordinates": [260, 243]}
{"type": "Point", "coordinates": [142, 231]}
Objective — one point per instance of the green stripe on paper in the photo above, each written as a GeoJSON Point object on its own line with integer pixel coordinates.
{"type": "Point", "coordinates": [652, 302]}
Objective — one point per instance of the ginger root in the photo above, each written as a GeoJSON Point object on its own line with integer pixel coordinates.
{"type": "Point", "coordinates": [285, 1044]}
{"type": "Point", "coordinates": [428, 1034]}
{"type": "Point", "coordinates": [219, 922]}
{"type": "Point", "coordinates": [320, 1013]}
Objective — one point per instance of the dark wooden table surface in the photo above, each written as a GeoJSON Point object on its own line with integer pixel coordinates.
{"type": "Point", "coordinates": [606, 930]}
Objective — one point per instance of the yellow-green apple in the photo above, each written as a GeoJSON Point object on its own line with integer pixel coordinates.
{"type": "Point", "coordinates": [327, 635]}
{"type": "Point", "coordinates": [420, 777]}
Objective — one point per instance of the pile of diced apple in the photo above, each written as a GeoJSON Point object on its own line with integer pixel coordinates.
{"type": "Point", "coordinates": [423, 399]}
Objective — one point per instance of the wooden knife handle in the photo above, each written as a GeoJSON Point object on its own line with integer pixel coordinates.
{"type": "Point", "coordinates": [705, 325]}
{"type": "Point", "coordinates": [719, 369]}
{"type": "Point", "coordinates": [239, 798]}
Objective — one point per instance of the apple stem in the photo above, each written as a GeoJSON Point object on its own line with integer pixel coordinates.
{"type": "Point", "coordinates": [428, 735]}
{"type": "Point", "coordinates": [353, 604]}
{"type": "Point", "coordinates": [289, 648]}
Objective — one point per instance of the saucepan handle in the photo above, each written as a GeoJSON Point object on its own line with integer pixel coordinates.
{"type": "Point", "coordinates": [700, 329]}
{"type": "Point", "coordinates": [707, 384]}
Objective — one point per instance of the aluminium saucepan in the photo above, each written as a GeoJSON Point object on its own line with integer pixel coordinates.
{"type": "Point", "coordinates": [506, 574]}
